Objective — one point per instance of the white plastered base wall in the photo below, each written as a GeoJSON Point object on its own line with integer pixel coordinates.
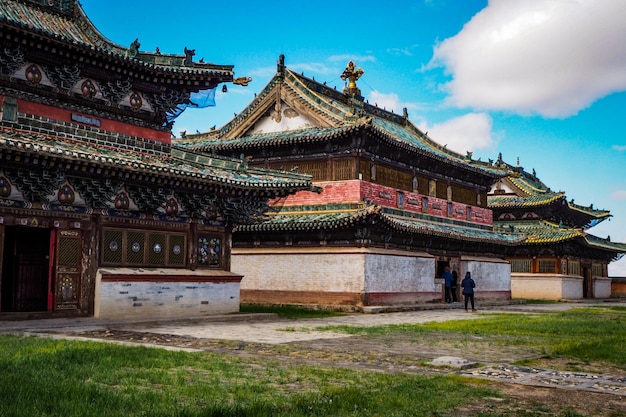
{"type": "Point", "coordinates": [546, 286]}
{"type": "Point", "coordinates": [164, 293]}
{"type": "Point", "coordinates": [380, 276]}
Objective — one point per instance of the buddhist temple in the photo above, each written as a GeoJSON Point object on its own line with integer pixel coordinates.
{"type": "Point", "coordinates": [99, 214]}
{"type": "Point", "coordinates": [392, 210]}
{"type": "Point", "coordinates": [559, 259]}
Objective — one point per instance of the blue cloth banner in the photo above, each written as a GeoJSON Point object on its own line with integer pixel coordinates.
{"type": "Point", "coordinates": [199, 100]}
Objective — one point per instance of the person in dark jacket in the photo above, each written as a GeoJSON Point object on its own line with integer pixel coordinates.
{"type": "Point", "coordinates": [453, 285]}
{"type": "Point", "coordinates": [468, 286]}
{"type": "Point", "coordinates": [447, 279]}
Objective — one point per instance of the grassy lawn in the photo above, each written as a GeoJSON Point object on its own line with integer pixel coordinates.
{"type": "Point", "coordinates": [287, 311]}
{"type": "Point", "coordinates": [45, 377]}
{"type": "Point", "coordinates": [586, 334]}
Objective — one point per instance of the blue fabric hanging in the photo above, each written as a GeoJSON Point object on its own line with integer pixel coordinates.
{"type": "Point", "coordinates": [199, 100]}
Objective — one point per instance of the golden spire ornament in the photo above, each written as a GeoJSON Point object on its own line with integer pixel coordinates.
{"type": "Point", "coordinates": [351, 74]}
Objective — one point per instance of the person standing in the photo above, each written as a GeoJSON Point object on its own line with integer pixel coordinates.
{"type": "Point", "coordinates": [447, 279]}
{"type": "Point", "coordinates": [453, 285]}
{"type": "Point", "coordinates": [468, 286]}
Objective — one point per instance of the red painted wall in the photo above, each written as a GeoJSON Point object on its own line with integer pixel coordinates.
{"type": "Point", "coordinates": [105, 124]}
{"type": "Point", "coordinates": [352, 191]}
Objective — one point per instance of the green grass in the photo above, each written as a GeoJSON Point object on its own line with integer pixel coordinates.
{"type": "Point", "coordinates": [45, 377]}
{"type": "Point", "coordinates": [586, 334]}
{"type": "Point", "coordinates": [288, 311]}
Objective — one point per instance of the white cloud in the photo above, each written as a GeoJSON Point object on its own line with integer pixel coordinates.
{"type": "Point", "coordinates": [618, 195]}
{"type": "Point", "coordinates": [357, 59]}
{"type": "Point", "coordinates": [469, 132]}
{"type": "Point", "coordinates": [550, 57]}
{"type": "Point", "coordinates": [313, 67]}
{"type": "Point", "coordinates": [406, 51]}
{"type": "Point", "coordinates": [390, 102]}
{"type": "Point", "coordinates": [619, 148]}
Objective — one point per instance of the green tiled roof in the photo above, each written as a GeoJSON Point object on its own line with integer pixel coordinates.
{"type": "Point", "coordinates": [543, 232]}
{"type": "Point", "coordinates": [309, 135]}
{"type": "Point", "coordinates": [345, 114]}
{"type": "Point", "coordinates": [76, 28]}
{"type": "Point", "coordinates": [178, 164]}
{"type": "Point", "coordinates": [517, 201]}
{"type": "Point", "coordinates": [533, 193]}
{"type": "Point", "coordinates": [338, 216]}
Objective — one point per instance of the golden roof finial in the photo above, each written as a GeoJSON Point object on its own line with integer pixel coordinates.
{"type": "Point", "coordinates": [351, 74]}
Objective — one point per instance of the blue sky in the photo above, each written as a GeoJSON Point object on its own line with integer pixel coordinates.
{"type": "Point", "coordinates": [542, 81]}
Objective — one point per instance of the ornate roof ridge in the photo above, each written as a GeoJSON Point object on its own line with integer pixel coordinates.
{"type": "Point", "coordinates": [425, 226]}
{"type": "Point", "coordinates": [74, 27]}
{"type": "Point", "coordinates": [589, 210]}
{"type": "Point", "coordinates": [509, 200]}
{"type": "Point", "coordinates": [326, 105]}
{"type": "Point", "coordinates": [214, 143]}
{"type": "Point", "coordinates": [605, 243]}
{"type": "Point", "coordinates": [226, 173]}
{"type": "Point", "coordinates": [435, 153]}
{"type": "Point", "coordinates": [542, 231]}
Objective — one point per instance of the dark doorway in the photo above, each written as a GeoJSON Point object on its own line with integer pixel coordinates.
{"type": "Point", "coordinates": [587, 283]}
{"type": "Point", "coordinates": [25, 269]}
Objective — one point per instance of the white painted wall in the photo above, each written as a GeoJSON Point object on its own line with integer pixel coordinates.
{"type": "Point", "coordinates": [299, 270]}
{"type": "Point", "coordinates": [601, 287]}
{"type": "Point", "coordinates": [490, 275]}
{"type": "Point", "coordinates": [547, 286]}
{"type": "Point", "coordinates": [400, 273]}
{"type": "Point", "coordinates": [164, 298]}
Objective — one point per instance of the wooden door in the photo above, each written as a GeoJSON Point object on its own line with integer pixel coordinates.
{"type": "Point", "coordinates": [68, 269]}
{"type": "Point", "coordinates": [25, 272]}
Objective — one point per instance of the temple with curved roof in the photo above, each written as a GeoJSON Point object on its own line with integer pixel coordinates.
{"type": "Point", "coordinates": [99, 215]}
{"type": "Point", "coordinates": [559, 258]}
{"type": "Point", "coordinates": [394, 208]}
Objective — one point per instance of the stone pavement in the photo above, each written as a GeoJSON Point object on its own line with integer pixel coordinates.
{"type": "Point", "coordinates": [270, 329]}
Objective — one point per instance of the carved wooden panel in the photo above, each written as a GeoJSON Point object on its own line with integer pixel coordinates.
{"type": "Point", "coordinates": [68, 269]}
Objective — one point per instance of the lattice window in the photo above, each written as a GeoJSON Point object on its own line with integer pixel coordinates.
{"type": "Point", "coordinates": [597, 270]}
{"type": "Point", "coordinates": [156, 248]}
{"type": "Point", "coordinates": [317, 169]}
{"type": "Point", "coordinates": [69, 252]}
{"type": "Point", "coordinates": [547, 266]}
{"type": "Point", "coordinates": [177, 250]}
{"type": "Point", "coordinates": [574, 267]}
{"type": "Point", "coordinates": [441, 190]}
{"type": "Point", "coordinates": [112, 251]}
{"type": "Point", "coordinates": [135, 247]}
{"type": "Point", "coordinates": [146, 248]}
{"type": "Point", "coordinates": [521, 265]}
{"type": "Point", "coordinates": [344, 169]}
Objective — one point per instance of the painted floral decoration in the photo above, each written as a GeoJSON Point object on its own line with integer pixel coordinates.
{"type": "Point", "coordinates": [135, 100]}
{"type": "Point", "coordinates": [88, 88]}
{"type": "Point", "coordinates": [171, 207]}
{"type": "Point", "coordinates": [5, 187]}
{"type": "Point", "coordinates": [122, 202]}
{"type": "Point", "coordinates": [33, 74]}
{"type": "Point", "coordinates": [66, 195]}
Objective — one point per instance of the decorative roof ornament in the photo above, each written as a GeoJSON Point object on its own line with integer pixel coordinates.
{"type": "Point", "coordinates": [133, 50]}
{"type": "Point", "coordinates": [351, 74]}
